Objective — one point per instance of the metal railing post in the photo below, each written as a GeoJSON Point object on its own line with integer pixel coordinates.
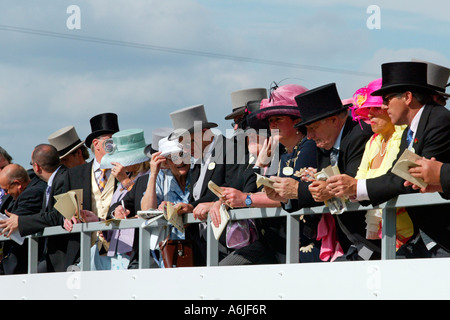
{"type": "Point", "coordinates": [389, 231]}
{"type": "Point", "coordinates": [292, 238]}
{"type": "Point", "coordinates": [212, 246]}
{"type": "Point", "coordinates": [144, 248]}
{"type": "Point", "coordinates": [33, 245]}
{"type": "Point", "coordinates": [85, 250]}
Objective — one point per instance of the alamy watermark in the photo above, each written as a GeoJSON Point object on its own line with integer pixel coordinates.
{"type": "Point", "coordinates": [374, 20]}
{"type": "Point", "coordinates": [73, 22]}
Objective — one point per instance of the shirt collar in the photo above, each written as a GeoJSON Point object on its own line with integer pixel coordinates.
{"type": "Point", "coordinates": [415, 121]}
{"type": "Point", "coordinates": [52, 177]}
{"type": "Point", "coordinates": [337, 143]}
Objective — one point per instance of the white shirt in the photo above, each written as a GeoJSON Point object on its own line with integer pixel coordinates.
{"type": "Point", "coordinates": [49, 184]}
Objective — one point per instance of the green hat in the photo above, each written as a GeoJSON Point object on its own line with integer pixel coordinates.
{"type": "Point", "coordinates": [125, 147]}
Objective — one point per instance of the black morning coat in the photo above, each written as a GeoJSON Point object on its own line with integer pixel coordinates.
{"type": "Point", "coordinates": [432, 139]}
{"type": "Point", "coordinates": [27, 204]}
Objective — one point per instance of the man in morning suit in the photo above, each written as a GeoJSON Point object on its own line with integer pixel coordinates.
{"type": "Point", "coordinates": [27, 195]}
{"type": "Point", "coordinates": [98, 187]}
{"type": "Point", "coordinates": [46, 165]}
{"type": "Point", "coordinates": [407, 98]}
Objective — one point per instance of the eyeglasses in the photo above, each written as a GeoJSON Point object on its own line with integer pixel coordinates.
{"type": "Point", "coordinates": [388, 98]}
{"type": "Point", "coordinates": [9, 187]}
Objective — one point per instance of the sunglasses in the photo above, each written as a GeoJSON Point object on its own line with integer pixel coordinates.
{"type": "Point", "coordinates": [388, 98]}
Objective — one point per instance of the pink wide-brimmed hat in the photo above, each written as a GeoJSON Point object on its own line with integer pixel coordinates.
{"type": "Point", "coordinates": [281, 102]}
{"type": "Point", "coordinates": [363, 100]}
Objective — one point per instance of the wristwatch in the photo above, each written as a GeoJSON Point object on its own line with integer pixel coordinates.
{"type": "Point", "coordinates": [248, 201]}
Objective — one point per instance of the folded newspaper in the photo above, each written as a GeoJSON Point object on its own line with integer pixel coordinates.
{"type": "Point", "coordinates": [224, 216]}
{"type": "Point", "coordinates": [406, 161]}
{"type": "Point", "coordinates": [336, 205]}
{"type": "Point", "coordinates": [170, 213]}
{"type": "Point", "coordinates": [15, 236]}
{"type": "Point", "coordinates": [69, 204]}
{"type": "Point", "coordinates": [263, 181]}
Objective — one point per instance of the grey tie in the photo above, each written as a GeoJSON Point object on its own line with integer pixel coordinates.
{"type": "Point", "coordinates": [334, 153]}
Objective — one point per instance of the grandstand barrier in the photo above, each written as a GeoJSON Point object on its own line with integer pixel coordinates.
{"type": "Point", "coordinates": [388, 241]}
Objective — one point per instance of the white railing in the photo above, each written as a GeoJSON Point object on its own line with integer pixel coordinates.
{"type": "Point", "coordinates": [292, 230]}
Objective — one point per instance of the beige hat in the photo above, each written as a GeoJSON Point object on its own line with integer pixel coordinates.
{"type": "Point", "coordinates": [188, 120]}
{"type": "Point", "coordinates": [65, 140]}
{"type": "Point", "coordinates": [240, 98]}
{"type": "Point", "coordinates": [437, 77]}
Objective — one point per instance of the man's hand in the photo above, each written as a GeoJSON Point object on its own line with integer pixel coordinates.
{"type": "Point", "coordinates": [429, 189]}
{"type": "Point", "coordinates": [429, 170]}
{"type": "Point", "coordinates": [9, 225]}
{"type": "Point", "coordinates": [273, 195]}
{"type": "Point", "coordinates": [342, 185]}
{"type": "Point", "coordinates": [319, 192]}
{"type": "Point", "coordinates": [201, 210]}
{"type": "Point", "coordinates": [214, 213]}
{"type": "Point", "coordinates": [184, 208]}
{"type": "Point", "coordinates": [233, 198]}
{"type": "Point", "coordinates": [285, 187]}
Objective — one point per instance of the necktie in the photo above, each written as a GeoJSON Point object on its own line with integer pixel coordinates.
{"type": "Point", "coordinates": [409, 136]}
{"type": "Point", "coordinates": [102, 180]}
{"type": "Point", "coordinates": [334, 153]}
{"type": "Point", "coordinates": [47, 194]}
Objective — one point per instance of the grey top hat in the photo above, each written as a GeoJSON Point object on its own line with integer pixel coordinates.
{"type": "Point", "coordinates": [157, 135]}
{"type": "Point", "coordinates": [437, 77]}
{"type": "Point", "coordinates": [240, 98]}
{"type": "Point", "coordinates": [65, 140]}
{"type": "Point", "coordinates": [189, 119]}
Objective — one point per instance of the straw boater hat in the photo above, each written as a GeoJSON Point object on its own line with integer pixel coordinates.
{"type": "Point", "coordinates": [240, 98]}
{"type": "Point", "coordinates": [319, 103]}
{"type": "Point", "coordinates": [157, 135]}
{"type": "Point", "coordinates": [437, 77]}
{"type": "Point", "coordinates": [105, 123]}
{"type": "Point", "coordinates": [404, 76]}
{"type": "Point", "coordinates": [65, 140]}
{"type": "Point", "coordinates": [125, 147]}
{"type": "Point", "coordinates": [189, 120]}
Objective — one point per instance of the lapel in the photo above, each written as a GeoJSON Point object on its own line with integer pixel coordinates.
{"type": "Point", "coordinates": [423, 122]}
{"type": "Point", "coordinates": [58, 180]}
{"type": "Point", "coordinates": [86, 185]}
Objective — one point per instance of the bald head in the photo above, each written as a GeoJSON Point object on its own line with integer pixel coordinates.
{"type": "Point", "coordinates": [14, 179]}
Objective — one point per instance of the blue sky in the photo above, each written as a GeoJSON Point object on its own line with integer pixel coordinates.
{"type": "Point", "coordinates": [49, 82]}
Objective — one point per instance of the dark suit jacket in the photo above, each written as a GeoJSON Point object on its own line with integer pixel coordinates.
{"type": "Point", "coordinates": [29, 202]}
{"type": "Point", "coordinates": [445, 180]}
{"type": "Point", "coordinates": [432, 140]}
{"type": "Point", "coordinates": [353, 140]}
{"type": "Point", "coordinates": [351, 149]}
{"type": "Point", "coordinates": [224, 172]}
{"type": "Point", "coordinates": [56, 246]}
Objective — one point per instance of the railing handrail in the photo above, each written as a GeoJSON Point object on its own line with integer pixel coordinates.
{"type": "Point", "coordinates": [292, 229]}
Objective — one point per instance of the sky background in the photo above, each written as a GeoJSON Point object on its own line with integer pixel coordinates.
{"type": "Point", "coordinates": [49, 80]}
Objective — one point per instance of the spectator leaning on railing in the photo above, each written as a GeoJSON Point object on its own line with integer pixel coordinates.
{"type": "Point", "coordinates": [407, 98]}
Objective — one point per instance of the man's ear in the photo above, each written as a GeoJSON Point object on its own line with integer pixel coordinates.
{"type": "Point", "coordinates": [408, 97]}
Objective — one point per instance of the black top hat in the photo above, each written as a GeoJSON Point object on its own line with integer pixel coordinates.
{"type": "Point", "coordinates": [319, 103]}
{"type": "Point", "coordinates": [101, 124]}
{"type": "Point", "coordinates": [404, 76]}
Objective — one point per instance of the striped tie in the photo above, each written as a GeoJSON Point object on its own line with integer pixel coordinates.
{"type": "Point", "coordinates": [102, 180]}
